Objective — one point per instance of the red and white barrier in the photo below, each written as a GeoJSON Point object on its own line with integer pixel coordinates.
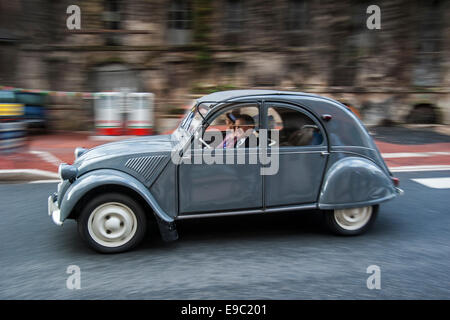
{"type": "Point", "coordinates": [140, 107]}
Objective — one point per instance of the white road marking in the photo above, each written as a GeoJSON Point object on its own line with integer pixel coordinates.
{"type": "Point", "coordinates": [420, 168]}
{"type": "Point", "coordinates": [435, 183]}
{"type": "Point", "coordinates": [45, 181]}
{"type": "Point", "coordinates": [414, 154]}
{"type": "Point", "coordinates": [47, 156]}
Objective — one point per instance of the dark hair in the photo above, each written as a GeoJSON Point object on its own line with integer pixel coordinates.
{"type": "Point", "coordinates": [247, 119]}
{"type": "Point", "coordinates": [231, 117]}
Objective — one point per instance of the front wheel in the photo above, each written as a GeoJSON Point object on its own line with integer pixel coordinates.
{"type": "Point", "coordinates": [352, 221]}
{"type": "Point", "coordinates": [112, 223]}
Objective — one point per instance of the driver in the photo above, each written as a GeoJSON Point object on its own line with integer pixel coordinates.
{"type": "Point", "coordinates": [230, 138]}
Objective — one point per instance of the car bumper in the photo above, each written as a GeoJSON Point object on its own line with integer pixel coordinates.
{"type": "Point", "coordinates": [399, 191]}
{"type": "Point", "coordinates": [53, 210]}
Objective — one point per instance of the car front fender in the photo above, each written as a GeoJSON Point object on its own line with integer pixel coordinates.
{"type": "Point", "coordinates": [355, 182]}
{"type": "Point", "coordinates": [101, 177]}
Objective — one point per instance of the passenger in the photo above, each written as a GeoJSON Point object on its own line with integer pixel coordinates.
{"type": "Point", "coordinates": [246, 135]}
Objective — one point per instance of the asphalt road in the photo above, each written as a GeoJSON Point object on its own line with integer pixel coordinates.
{"type": "Point", "coordinates": [277, 256]}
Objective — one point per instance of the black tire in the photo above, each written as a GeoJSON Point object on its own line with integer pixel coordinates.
{"type": "Point", "coordinates": [122, 199]}
{"type": "Point", "coordinates": [334, 227]}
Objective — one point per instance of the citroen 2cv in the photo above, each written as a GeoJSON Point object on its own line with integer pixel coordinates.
{"type": "Point", "coordinates": [308, 152]}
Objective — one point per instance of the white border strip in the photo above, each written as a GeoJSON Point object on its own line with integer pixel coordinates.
{"type": "Point", "coordinates": [420, 168]}
{"type": "Point", "coordinates": [27, 175]}
{"type": "Point", "coordinates": [414, 154]}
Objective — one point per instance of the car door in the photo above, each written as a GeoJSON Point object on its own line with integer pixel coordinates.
{"type": "Point", "coordinates": [302, 154]}
{"type": "Point", "coordinates": [225, 186]}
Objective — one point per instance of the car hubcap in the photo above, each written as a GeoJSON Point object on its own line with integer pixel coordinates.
{"type": "Point", "coordinates": [112, 224]}
{"type": "Point", "coordinates": [354, 218]}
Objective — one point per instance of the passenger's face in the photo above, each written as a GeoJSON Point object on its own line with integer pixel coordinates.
{"type": "Point", "coordinates": [241, 127]}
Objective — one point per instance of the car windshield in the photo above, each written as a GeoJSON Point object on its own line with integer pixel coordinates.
{"type": "Point", "coordinates": [192, 121]}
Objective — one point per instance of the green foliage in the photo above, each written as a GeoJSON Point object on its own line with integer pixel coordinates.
{"type": "Point", "coordinates": [202, 32]}
{"type": "Point", "coordinates": [207, 89]}
{"type": "Point", "coordinates": [175, 110]}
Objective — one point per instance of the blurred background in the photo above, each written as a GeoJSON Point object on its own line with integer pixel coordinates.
{"type": "Point", "coordinates": [135, 66]}
{"type": "Point", "coordinates": [179, 50]}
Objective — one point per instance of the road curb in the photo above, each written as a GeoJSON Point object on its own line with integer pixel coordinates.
{"type": "Point", "coordinates": [12, 175]}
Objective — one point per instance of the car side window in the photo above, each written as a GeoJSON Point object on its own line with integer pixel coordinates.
{"type": "Point", "coordinates": [295, 128]}
{"type": "Point", "coordinates": [238, 127]}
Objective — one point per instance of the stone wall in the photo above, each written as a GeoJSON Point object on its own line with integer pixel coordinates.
{"type": "Point", "coordinates": [326, 49]}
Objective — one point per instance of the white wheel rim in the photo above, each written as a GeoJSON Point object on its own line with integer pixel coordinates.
{"type": "Point", "coordinates": [354, 218]}
{"type": "Point", "coordinates": [112, 224]}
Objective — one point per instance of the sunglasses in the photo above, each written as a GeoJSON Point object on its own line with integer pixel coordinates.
{"type": "Point", "coordinates": [244, 125]}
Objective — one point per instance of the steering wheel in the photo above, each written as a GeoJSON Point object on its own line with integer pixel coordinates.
{"type": "Point", "coordinates": [197, 136]}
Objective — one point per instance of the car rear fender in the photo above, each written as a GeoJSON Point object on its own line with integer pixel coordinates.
{"type": "Point", "coordinates": [355, 182]}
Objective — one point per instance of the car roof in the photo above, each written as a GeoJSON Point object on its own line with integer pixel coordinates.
{"type": "Point", "coordinates": [345, 130]}
{"type": "Point", "coordinates": [232, 94]}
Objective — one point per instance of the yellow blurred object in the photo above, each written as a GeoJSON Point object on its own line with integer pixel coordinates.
{"type": "Point", "coordinates": [11, 109]}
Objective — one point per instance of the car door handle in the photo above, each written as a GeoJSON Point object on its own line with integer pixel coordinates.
{"type": "Point", "coordinates": [324, 153]}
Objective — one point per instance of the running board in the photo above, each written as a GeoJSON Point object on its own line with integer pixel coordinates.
{"type": "Point", "coordinates": [243, 212]}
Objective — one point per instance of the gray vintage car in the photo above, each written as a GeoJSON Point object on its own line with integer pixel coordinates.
{"type": "Point", "coordinates": [311, 152]}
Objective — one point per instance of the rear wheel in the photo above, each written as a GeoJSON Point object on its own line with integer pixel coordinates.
{"type": "Point", "coordinates": [352, 221]}
{"type": "Point", "coordinates": [112, 223]}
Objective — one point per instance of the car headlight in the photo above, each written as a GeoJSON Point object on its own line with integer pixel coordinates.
{"type": "Point", "coordinates": [78, 152]}
{"type": "Point", "coordinates": [58, 190]}
{"type": "Point", "coordinates": [67, 172]}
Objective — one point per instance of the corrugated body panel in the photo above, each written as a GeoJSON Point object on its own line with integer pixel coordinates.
{"type": "Point", "coordinates": [145, 166]}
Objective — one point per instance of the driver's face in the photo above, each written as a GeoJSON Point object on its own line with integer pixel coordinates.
{"type": "Point", "coordinates": [229, 123]}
